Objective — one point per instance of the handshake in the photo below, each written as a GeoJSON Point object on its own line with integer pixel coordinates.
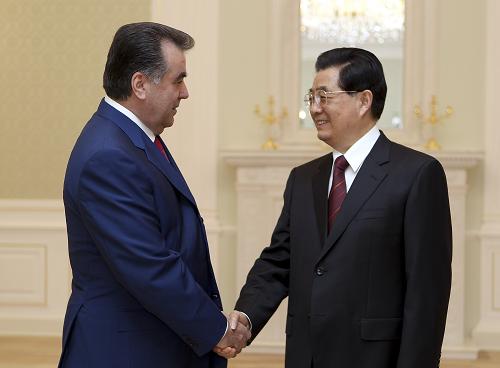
{"type": "Point", "coordinates": [236, 337]}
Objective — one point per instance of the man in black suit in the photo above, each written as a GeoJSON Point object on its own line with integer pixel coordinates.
{"type": "Point", "coordinates": [363, 245]}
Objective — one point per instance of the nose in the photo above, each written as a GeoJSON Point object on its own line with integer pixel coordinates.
{"type": "Point", "coordinates": [315, 108]}
{"type": "Point", "coordinates": [184, 93]}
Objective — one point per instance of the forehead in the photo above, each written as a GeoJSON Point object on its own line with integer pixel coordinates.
{"type": "Point", "coordinates": [326, 78]}
{"type": "Point", "coordinates": [174, 57]}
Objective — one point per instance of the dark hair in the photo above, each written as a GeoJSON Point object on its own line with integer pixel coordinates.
{"type": "Point", "coordinates": [136, 47]}
{"type": "Point", "coordinates": [359, 70]}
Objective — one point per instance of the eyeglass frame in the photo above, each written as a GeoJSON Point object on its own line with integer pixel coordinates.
{"type": "Point", "coordinates": [317, 99]}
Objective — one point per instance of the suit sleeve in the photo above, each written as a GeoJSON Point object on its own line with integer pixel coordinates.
{"type": "Point", "coordinates": [428, 251]}
{"type": "Point", "coordinates": [118, 208]}
{"type": "Point", "coordinates": [267, 282]}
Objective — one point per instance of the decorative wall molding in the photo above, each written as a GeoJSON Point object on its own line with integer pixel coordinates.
{"type": "Point", "coordinates": [487, 331]}
{"type": "Point", "coordinates": [35, 273]}
{"type": "Point", "coordinates": [23, 271]}
{"type": "Point", "coordinates": [42, 214]}
{"type": "Point", "coordinates": [289, 157]}
{"type": "Point", "coordinates": [261, 177]}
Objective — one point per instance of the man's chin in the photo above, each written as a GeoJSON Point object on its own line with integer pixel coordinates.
{"type": "Point", "coordinates": [323, 136]}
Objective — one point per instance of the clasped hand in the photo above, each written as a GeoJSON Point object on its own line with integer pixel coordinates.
{"type": "Point", "coordinates": [236, 337]}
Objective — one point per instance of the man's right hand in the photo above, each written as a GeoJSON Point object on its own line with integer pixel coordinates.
{"type": "Point", "coordinates": [237, 316]}
{"type": "Point", "coordinates": [236, 337]}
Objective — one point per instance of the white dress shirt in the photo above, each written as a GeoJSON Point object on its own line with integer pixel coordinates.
{"type": "Point", "coordinates": [355, 156]}
{"type": "Point", "coordinates": [129, 114]}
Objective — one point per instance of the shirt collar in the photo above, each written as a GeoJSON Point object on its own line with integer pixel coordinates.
{"type": "Point", "coordinates": [358, 152]}
{"type": "Point", "coordinates": [129, 114]}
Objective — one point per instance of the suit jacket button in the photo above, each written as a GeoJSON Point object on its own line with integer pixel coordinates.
{"type": "Point", "coordinates": [215, 296]}
{"type": "Point", "coordinates": [320, 271]}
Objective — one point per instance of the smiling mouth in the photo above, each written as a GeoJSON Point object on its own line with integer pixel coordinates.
{"type": "Point", "coordinates": [321, 122]}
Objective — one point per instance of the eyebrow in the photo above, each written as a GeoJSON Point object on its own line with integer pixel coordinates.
{"type": "Point", "coordinates": [322, 88]}
{"type": "Point", "coordinates": [181, 76]}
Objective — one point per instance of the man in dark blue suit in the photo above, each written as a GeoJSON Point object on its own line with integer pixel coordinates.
{"type": "Point", "coordinates": [143, 292]}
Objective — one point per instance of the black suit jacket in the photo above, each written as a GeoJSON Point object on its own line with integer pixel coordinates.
{"type": "Point", "coordinates": [374, 292]}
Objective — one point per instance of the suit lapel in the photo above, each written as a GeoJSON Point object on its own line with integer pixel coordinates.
{"type": "Point", "coordinates": [370, 175]}
{"type": "Point", "coordinates": [142, 141]}
{"type": "Point", "coordinates": [320, 194]}
{"type": "Point", "coordinates": [169, 169]}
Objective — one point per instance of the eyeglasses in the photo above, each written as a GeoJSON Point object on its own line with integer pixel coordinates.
{"type": "Point", "coordinates": [320, 97]}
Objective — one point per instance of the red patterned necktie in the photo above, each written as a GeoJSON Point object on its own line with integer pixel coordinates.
{"type": "Point", "coordinates": [160, 147]}
{"type": "Point", "coordinates": [338, 190]}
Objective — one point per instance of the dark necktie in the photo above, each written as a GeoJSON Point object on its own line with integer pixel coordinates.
{"type": "Point", "coordinates": [160, 147]}
{"type": "Point", "coordinates": [338, 190]}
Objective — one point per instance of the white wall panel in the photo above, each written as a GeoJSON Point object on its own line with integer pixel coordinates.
{"type": "Point", "coordinates": [23, 274]}
{"type": "Point", "coordinates": [34, 269]}
{"type": "Point", "coordinates": [496, 281]}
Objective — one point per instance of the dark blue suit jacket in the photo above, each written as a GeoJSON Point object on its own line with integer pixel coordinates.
{"type": "Point", "coordinates": [143, 292]}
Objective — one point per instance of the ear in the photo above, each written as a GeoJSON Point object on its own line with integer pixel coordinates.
{"type": "Point", "coordinates": [139, 83]}
{"type": "Point", "coordinates": [365, 99]}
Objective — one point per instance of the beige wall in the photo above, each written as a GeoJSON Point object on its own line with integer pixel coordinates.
{"type": "Point", "coordinates": [244, 31]}
{"type": "Point", "coordinates": [461, 53]}
{"type": "Point", "coordinates": [52, 59]}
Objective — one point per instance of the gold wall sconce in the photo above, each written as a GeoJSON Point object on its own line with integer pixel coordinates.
{"type": "Point", "coordinates": [433, 119]}
{"type": "Point", "coordinates": [272, 122]}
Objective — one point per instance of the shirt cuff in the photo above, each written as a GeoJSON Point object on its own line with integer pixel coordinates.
{"type": "Point", "coordinates": [248, 318]}
{"type": "Point", "coordinates": [227, 327]}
